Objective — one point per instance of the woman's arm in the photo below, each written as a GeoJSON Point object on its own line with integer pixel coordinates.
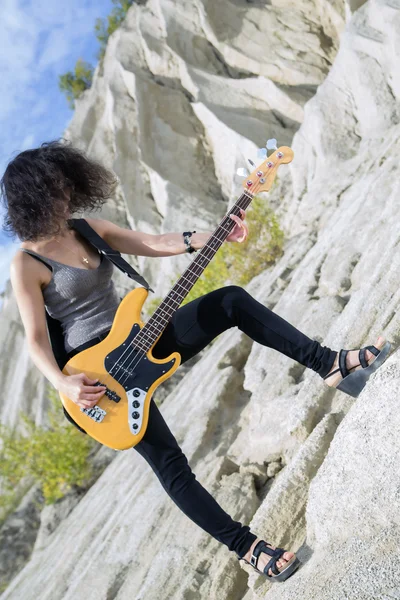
{"type": "Point", "coordinates": [26, 280]}
{"type": "Point", "coordinates": [26, 284]}
{"type": "Point", "coordinates": [128, 241]}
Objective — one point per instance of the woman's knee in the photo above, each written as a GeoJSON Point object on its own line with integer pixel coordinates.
{"type": "Point", "coordinates": [234, 297]}
{"type": "Point", "coordinates": [235, 290]}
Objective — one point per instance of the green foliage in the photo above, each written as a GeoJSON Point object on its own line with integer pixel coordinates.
{"type": "Point", "coordinates": [105, 27]}
{"type": "Point", "coordinates": [55, 457]}
{"type": "Point", "coordinates": [264, 244]}
{"type": "Point", "coordinates": [236, 263]}
{"type": "Point", "coordinates": [74, 83]}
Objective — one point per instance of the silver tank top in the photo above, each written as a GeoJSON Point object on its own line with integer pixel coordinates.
{"type": "Point", "coordinates": [83, 300]}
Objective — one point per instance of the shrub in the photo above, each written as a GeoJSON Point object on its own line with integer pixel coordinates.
{"type": "Point", "coordinates": [105, 27]}
{"type": "Point", "coordinates": [236, 263]}
{"type": "Point", "coordinates": [55, 457]}
{"type": "Point", "coordinates": [74, 83]}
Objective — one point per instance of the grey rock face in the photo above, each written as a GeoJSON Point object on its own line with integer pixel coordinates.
{"type": "Point", "coordinates": [18, 534]}
{"type": "Point", "coordinates": [308, 467]}
{"type": "Point", "coordinates": [352, 524]}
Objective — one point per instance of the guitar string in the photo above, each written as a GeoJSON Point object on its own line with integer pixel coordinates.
{"type": "Point", "coordinates": [140, 353]}
{"type": "Point", "coordinates": [133, 348]}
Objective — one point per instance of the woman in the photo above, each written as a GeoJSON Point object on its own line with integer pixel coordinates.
{"type": "Point", "coordinates": [59, 270]}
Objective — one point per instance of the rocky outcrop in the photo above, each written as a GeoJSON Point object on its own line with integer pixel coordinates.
{"type": "Point", "coordinates": [187, 92]}
{"type": "Point", "coordinates": [352, 527]}
{"type": "Point", "coordinates": [310, 468]}
{"type": "Point", "coordinates": [23, 386]}
{"type": "Point", "coordinates": [18, 534]}
{"type": "Point", "coordinates": [180, 102]}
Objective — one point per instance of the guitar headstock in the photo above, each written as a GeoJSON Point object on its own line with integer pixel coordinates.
{"type": "Point", "coordinates": [263, 176]}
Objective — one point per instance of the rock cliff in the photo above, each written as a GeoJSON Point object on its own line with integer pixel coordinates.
{"type": "Point", "coordinates": [187, 92]}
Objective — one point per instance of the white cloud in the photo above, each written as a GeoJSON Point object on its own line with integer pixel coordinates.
{"type": "Point", "coordinates": [39, 40]}
{"type": "Point", "coordinates": [54, 50]}
{"type": "Point", "coordinates": [27, 142]}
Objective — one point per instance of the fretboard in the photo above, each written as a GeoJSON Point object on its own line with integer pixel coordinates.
{"type": "Point", "coordinates": [160, 318]}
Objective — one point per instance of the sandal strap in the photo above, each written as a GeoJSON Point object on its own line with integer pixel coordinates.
{"type": "Point", "coordinates": [362, 354]}
{"type": "Point", "coordinates": [342, 363]}
{"type": "Point", "coordinates": [276, 554]}
{"type": "Point", "coordinates": [344, 370]}
{"type": "Point", "coordinates": [256, 554]}
{"type": "Point", "coordinates": [272, 565]}
{"type": "Point", "coordinates": [374, 350]}
{"type": "Point", "coordinates": [363, 360]}
{"type": "Point", "coordinates": [329, 374]}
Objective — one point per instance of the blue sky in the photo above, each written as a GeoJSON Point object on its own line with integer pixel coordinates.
{"type": "Point", "coordinates": [39, 40]}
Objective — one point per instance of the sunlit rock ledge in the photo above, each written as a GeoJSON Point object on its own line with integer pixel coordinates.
{"type": "Point", "coordinates": [309, 468]}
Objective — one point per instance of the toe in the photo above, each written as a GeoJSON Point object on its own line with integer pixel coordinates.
{"type": "Point", "coordinates": [282, 562]}
{"type": "Point", "coordinates": [285, 558]}
{"type": "Point", "coordinates": [381, 341]}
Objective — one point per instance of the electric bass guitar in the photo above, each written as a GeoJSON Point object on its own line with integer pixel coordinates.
{"type": "Point", "coordinates": [123, 361]}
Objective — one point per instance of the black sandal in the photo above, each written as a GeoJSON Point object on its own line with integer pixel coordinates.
{"type": "Point", "coordinates": [276, 554]}
{"type": "Point", "coordinates": [353, 383]}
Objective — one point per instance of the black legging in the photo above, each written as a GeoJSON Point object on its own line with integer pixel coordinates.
{"type": "Point", "coordinates": [191, 328]}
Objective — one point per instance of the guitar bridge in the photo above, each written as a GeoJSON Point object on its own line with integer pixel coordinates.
{"type": "Point", "coordinates": [96, 413]}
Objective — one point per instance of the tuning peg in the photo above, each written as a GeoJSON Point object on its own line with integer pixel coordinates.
{"type": "Point", "coordinates": [262, 153]}
{"type": "Point", "coordinates": [242, 172]}
{"type": "Point", "coordinates": [271, 144]}
{"type": "Point", "coordinates": [251, 163]}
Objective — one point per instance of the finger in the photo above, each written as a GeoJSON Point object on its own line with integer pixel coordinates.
{"type": "Point", "coordinates": [240, 223]}
{"type": "Point", "coordinates": [93, 388]}
{"type": "Point", "coordinates": [236, 219]}
{"type": "Point", "coordinates": [89, 379]}
{"type": "Point", "coordinates": [243, 214]}
{"type": "Point", "coordinates": [91, 396]}
{"type": "Point", "coordinates": [246, 233]}
{"type": "Point", "coordinates": [85, 404]}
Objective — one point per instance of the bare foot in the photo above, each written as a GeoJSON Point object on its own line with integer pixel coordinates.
{"type": "Point", "coordinates": [352, 361]}
{"type": "Point", "coordinates": [264, 558]}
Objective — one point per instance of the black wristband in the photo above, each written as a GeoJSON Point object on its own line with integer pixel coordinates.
{"type": "Point", "coordinates": [186, 238]}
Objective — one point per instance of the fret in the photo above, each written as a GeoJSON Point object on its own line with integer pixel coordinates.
{"type": "Point", "coordinates": [159, 320]}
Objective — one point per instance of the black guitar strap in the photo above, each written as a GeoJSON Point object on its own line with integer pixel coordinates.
{"type": "Point", "coordinates": [83, 227]}
{"type": "Point", "coordinates": [54, 326]}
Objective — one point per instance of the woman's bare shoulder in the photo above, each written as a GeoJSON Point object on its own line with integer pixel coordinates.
{"type": "Point", "coordinates": [25, 267]}
{"type": "Point", "coordinates": [26, 280]}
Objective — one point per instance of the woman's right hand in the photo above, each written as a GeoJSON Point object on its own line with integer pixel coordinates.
{"type": "Point", "coordinates": [81, 389]}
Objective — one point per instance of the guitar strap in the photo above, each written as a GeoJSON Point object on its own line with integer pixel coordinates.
{"type": "Point", "coordinates": [54, 326]}
{"type": "Point", "coordinates": [83, 227]}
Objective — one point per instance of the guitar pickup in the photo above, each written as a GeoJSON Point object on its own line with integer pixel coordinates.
{"type": "Point", "coordinates": [111, 395]}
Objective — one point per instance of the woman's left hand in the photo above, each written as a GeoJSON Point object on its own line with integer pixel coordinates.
{"type": "Point", "coordinates": [240, 232]}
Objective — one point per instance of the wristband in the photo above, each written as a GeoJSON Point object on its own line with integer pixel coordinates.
{"type": "Point", "coordinates": [186, 238]}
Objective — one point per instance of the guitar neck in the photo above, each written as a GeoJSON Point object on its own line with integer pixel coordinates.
{"type": "Point", "coordinates": [159, 320]}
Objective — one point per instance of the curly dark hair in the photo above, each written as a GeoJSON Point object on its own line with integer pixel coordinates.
{"type": "Point", "coordinates": [33, 185]}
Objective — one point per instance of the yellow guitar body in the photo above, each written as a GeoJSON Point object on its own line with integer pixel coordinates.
{"type": "Point", "coordinates": [116, 428]}
{"type": "Point", "coordinates": [124, 363]}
